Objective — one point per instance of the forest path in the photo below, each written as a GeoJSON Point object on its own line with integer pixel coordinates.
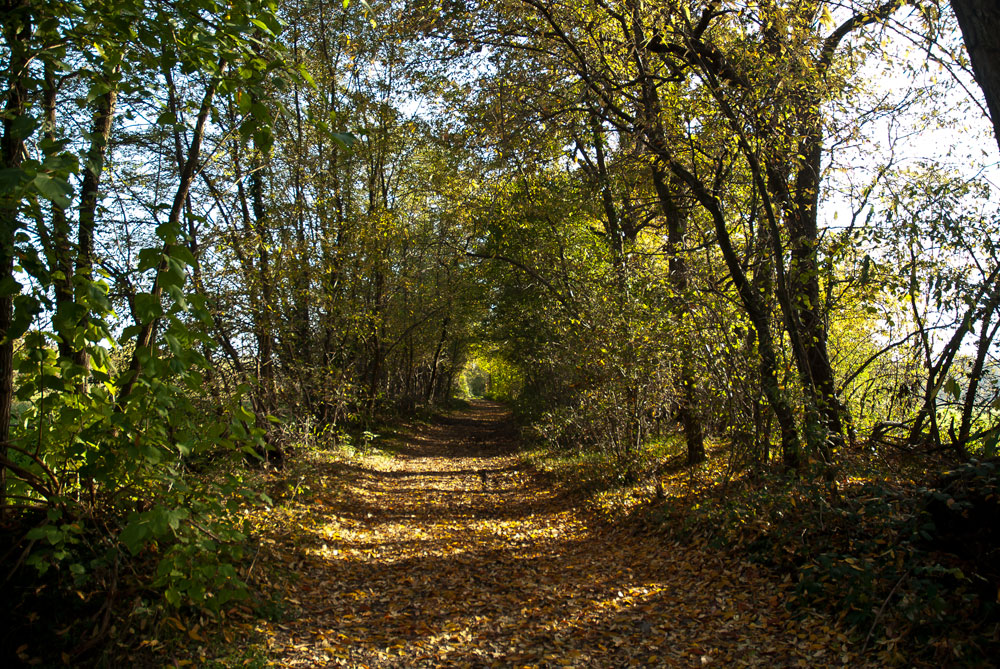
{"type": "Point", "coordinates": [410, 561]}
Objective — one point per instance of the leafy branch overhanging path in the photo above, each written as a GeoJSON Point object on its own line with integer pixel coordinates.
{"type": "Point", "coordinates": [413, 561]}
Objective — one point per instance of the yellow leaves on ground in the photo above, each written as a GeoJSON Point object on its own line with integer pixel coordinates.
{"type": "Point", "coordinates": [417, 561]}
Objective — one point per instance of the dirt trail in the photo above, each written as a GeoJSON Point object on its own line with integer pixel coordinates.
{"type": "Point", "coordinates": [411, 561]}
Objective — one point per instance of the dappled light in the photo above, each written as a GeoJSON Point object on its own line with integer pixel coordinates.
{"type": "Point", "coordinates": [499, 333]}
{"type": "Point", "coordinates": [413, 560]}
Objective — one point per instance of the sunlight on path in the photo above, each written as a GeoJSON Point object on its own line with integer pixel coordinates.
{"type": "Point", "coordinates": [414, 562]}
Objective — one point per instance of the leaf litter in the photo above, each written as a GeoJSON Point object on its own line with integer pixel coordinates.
{"type": "Point", "coordinates": [420, 560]}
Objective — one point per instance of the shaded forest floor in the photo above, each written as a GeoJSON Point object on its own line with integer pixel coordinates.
{"type": "Point", "coordinates": [410, 560]}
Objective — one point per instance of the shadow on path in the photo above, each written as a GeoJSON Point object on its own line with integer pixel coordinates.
{"type": "Point", "coordinates": [414, 561]}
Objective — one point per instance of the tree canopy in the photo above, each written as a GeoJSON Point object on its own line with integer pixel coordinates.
{"type": "Point", "coordinates": [226, 229]}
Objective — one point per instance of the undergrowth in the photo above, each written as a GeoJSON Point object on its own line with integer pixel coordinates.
{"type": "Point", "coordinates": [876, 552]}
{"type": "Point", "coordinates": [905, 558]}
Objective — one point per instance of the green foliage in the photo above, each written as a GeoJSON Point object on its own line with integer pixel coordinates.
{"type": "Point", "coordinates": [228, 228]}
{"type": "Point", "coordinates": [92, 457]}
{"type": "Point", "coordinates": [871, 554]}
{"type": "Point", "coordinates": [120, 465]}
{"type": "Point", "coordinates": [492, 377]}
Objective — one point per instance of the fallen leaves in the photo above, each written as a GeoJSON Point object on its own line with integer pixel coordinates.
{"type": "Point", "coordinates": [411, 561]}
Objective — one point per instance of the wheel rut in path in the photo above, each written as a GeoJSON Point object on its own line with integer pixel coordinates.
{"type": "Point", "coordinates": [412, 561]}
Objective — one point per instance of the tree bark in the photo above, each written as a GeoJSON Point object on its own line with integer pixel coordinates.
{"type": "Point", "coordinates": [265, 330]}
{"type": "Point", "coordinates": [437, 359]}
{"type": "Point", "coordinates": [790, 444]}
{"type": "Point", "coordinates": [988, 332]}
{"type": "Point", "coordinates": [100, 133]}
{"type": "Point", "coordinates": [55, 241]}
{"type": "Point", "coordinates": [677, 269]}
{"type": "Point", "coordinates": [980, 24]}
{"type": "Point", "coordinates": [16, 34]}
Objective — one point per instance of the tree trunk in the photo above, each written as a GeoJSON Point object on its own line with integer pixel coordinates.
{"type": "Point", "coordinates": [986, 336]}
{"type": "Point", "coordinates": [56, 241]}
{"type": "Point", "coordinates": [815, 371]}
{"type": "Point", "coordinates": [16, 35]}
{"type": "Point", "coordinates": [302, 298]}
{"type": "Point", "coordinates": [937, 370]}
{"type": "Point", "coordinates": [677, 269]}
{"type": "Point", "coordinates": [101, 132]}
{"type": "Point", "coordinates": [980, 24]}
{"type": "Point", "coordinates": [790, 444]}
{"type": "Point", "coordinates": [264, 328]}
{"type": "Point", "coordinates": [437, 360]}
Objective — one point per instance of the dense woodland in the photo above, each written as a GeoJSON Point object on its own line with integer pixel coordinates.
{"type": "Point", "coordinates": [763, 233]}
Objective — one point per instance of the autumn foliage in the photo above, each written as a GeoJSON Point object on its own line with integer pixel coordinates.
{"type": "Point", "coordinates": [273, 273]}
